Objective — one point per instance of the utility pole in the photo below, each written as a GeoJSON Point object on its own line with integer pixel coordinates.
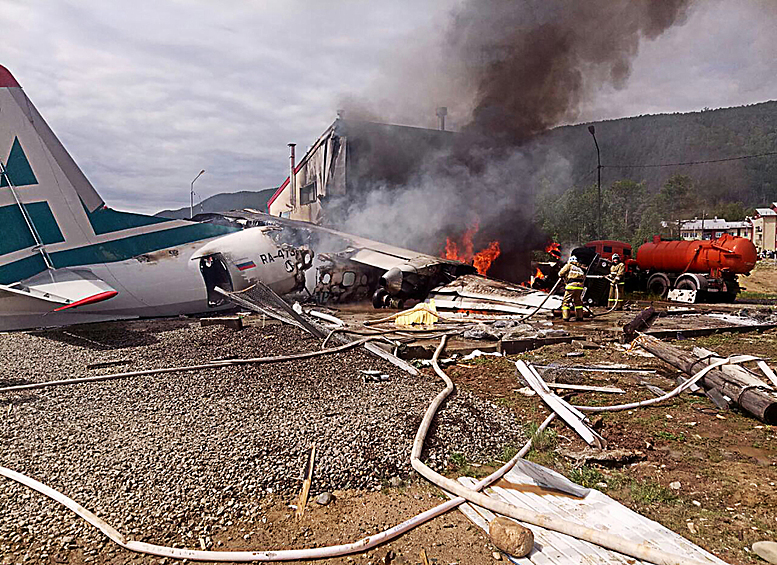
{"type": "Point", "coordinates": [592, 131]}
{"type": "Point", "coordinates": [191, 195]}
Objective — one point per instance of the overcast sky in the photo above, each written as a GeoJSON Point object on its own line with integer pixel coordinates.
{"type": "Point", "coordinates": [145, 94]}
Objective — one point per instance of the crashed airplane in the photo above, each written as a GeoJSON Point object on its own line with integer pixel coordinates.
{"type": "Point", "coordinates": [67, 258]}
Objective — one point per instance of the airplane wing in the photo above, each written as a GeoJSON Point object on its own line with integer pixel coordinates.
{"type": "Point", "coordinates": [61, 289]}
{"type": "Point", "coordinates": [360, 249]}
{"type": "Point", "coordinates": [410, 274]}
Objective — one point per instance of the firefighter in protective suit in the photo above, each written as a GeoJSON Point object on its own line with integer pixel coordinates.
{"type": "Point", "coordinates": [573, 275]}
{"type": "Point", "coordinates": [617, 285]}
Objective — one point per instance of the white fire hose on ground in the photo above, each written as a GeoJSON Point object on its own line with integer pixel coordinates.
{"type": "Point", "coordinates": [603, 539]}
{"type": "Point", "coordinates": [359, 546]}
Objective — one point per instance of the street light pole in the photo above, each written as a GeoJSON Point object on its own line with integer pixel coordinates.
{"type": "Point", "coordinates": [592, 130]}
{"type": "Point", "coordinates": [191, 195]}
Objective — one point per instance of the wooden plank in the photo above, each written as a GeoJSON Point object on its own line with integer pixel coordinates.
{"type": "Point", "coordinates": [512, 346]}
{"type": "Point", "coordinates": [303, 495]}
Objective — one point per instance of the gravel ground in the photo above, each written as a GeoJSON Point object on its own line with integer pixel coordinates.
{"type": "Point", "coordinates": [168, 458]}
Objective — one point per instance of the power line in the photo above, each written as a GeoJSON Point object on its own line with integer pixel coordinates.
{"type": "Point", "coordinates": [653, 166]}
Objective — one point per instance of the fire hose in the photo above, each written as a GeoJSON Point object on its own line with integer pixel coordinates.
{"type": "Point", "coordinates": [603, 539]}
{"type": "Point", "coordinates": [280, 555]}
{"type": "Point", "coordinates": [464, 494]}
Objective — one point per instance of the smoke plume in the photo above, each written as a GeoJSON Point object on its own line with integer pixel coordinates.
{"type": "Point", "coordinates": [518, 68]}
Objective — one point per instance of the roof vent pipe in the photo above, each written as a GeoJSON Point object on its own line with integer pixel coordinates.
{"type": "Point", "coordinates": [442, 111]}
{"type": "Point", "coordinates": [292, 179]}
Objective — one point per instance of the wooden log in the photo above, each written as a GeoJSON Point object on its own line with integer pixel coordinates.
{"type": "Point", "coordinates": [640, 323]}
{"type": "Point", "coordinates": [755, 398]}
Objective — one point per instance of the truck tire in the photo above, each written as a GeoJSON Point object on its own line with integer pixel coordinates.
{"type": "Point", "coordinates": [686, 284]}
{"type": "Point", "coordinates": [659, 284]}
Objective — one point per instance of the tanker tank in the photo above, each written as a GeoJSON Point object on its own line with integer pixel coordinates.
{"type": "Point", "coordinates": [730, 254]}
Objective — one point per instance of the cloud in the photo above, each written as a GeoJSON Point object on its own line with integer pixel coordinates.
{"type": "Point", "coordinates": [145, 94]}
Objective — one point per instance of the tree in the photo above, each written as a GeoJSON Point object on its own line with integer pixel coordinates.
{"type": "Point", "coordinates": [677, 200]}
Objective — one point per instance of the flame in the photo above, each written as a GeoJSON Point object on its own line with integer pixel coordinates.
{"type": "Point", "coordinates": [538, 275]}
{"type": "Point", "coordinates": [554, 249]}
{"type": "Point", "coordinates": [464, 250]}
{"type": "Point", "coordinates": [484, 258]}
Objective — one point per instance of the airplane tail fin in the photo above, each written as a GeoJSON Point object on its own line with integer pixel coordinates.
{"type": "Point", "coordinates": [51, 216]}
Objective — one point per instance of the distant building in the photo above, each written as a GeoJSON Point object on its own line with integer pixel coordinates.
{"type": "Point", "coordinates": [713, 228]}
{"type": "Point", "coordinates": [348, 160]}
{"type": "Point", "coordinates": [765, 228]}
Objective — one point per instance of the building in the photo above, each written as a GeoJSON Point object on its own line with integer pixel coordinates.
{"type": "Point", "coordinates": [713, 228]}
{"type": "Point", "coordinates": [765, 228]}
{"type": "Point", "coordinates": [348, 160]}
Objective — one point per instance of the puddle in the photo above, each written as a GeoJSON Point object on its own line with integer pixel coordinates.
{"type": "Point", "coordinates": [762, 456]}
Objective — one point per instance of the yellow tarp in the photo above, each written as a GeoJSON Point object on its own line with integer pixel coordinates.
{"type": "Point", "coordinates": [423, 314]}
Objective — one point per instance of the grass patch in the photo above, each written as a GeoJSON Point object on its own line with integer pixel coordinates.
{"type": "Point", "coordinates": [669, 436]}
{"type": "Point", "coordinates": [649, 492]}
{"type": "Point", "coordinates": [545, 440]}
{"type": "Point", "coordinates": [586, 476]}
{"type": "Point", "coordinates": [503, 401]}
{"type": "Point", "coordinates": [457, 461]}
{"type": "Point", "coordinates": [757, 295]}
{"type": "Point", "coordinates": [508, 452]}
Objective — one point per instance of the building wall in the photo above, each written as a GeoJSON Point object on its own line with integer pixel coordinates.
{"type": "Point", "coordinates": [765, 233]}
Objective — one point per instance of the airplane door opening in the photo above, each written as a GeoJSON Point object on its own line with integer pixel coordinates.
{"type": "Point", "coordinates": [215, 273]}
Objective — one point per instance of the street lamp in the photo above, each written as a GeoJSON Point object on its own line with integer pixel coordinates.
{"type": "Point", "coordinates": [592, 130]}
{"type": "Point", "coordinates": [191, 195]}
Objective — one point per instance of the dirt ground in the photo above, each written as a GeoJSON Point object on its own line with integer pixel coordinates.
{"type": "Point", "coordinates": [707, 474]}
{"type": "Point", "coordinates": [763, 279]}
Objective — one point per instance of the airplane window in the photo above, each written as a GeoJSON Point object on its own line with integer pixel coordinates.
{"type": "Point", "coordinates": [349, 277]}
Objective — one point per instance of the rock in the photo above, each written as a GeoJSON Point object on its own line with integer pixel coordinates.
{"type": "Point", "coordinates": [395, 482]}
{"type": "Point", "coordinates": [766, 550]}
{"type": "Point", "coordinates": [675, 485]}
{"type": "Point", "coordinates": [509, 536]}
{"type": "Point", "coordinates": [496, 555]}
{"type": "Point", "coordinates": [324, 498]}
{"type": "Point", "coordinates": [481, 332]}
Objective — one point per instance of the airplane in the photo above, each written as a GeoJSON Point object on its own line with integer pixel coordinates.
{"type": "Point", "coordinates": [67, 258]}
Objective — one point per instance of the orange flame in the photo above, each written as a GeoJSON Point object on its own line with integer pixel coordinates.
{"type": "Point", "coordinates": [483, 259]}
{"type": "Point", "coordinates": [464, 250]}
{"type": "Point", "coordinates": [538, 275]}
{"type": "Point", "coordinates": [554, 249]}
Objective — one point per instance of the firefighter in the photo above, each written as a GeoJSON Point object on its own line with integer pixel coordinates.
{"type": "Point", "coordinates": [617, 285]}
{"type": "Point", "coordinates": [573, 275]}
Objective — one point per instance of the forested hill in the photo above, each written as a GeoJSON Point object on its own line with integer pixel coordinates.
{"type": "Point", "coordinates": [679, 138]}
{"type": "Point", "coordinates": [225, 201]}
{"type": "Point", "coordinates": [641, 188]}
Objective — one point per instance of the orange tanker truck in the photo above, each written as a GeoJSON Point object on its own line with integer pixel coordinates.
{"type": "Point", "coordinates": [709, 267]}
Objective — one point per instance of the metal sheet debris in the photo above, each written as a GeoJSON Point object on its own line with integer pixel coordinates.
{"type": "Point", "coordinates": [534, 487]}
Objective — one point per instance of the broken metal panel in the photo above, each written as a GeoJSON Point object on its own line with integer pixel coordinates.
{"type": "Point", "coordinates": [678, 295]}
{"type": "Point", "coordinates": [537, 488]}
{"type": "Point", "coordinates": [573, 417]}
{"type": "Point", "coordinates": [340, 280]}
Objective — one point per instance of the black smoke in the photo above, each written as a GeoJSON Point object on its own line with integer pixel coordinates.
{"type": "Point", "coordinates": [529, 65]}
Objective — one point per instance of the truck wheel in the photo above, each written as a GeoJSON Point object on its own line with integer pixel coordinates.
{"type": "Point", "coordinates": [686, 284]}
{"type": "Point", "coordinates": [658, 284]}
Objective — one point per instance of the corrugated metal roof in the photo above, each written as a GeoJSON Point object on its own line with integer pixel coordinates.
{"type": "Point", "coordinates": [713, 224]}
{"type": "Point", "coordinates": [537, 488]}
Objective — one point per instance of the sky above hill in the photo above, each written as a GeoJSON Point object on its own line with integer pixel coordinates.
{"type": "Point", "coordinates": [146, 94]}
